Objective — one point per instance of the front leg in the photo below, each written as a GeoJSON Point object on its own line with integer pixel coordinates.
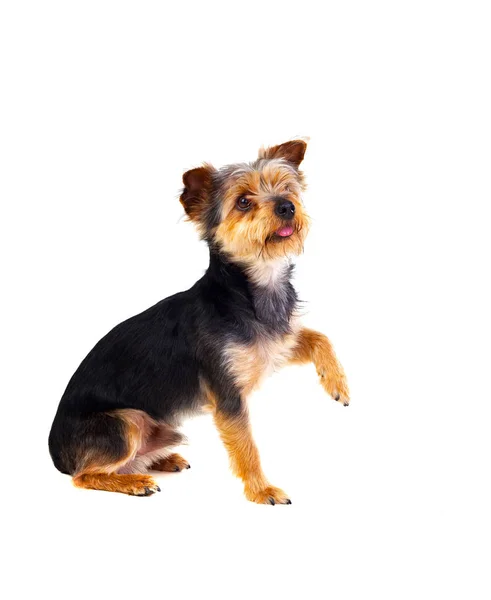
{"type": "Point", "coordinates": [232, 421]}
{"type": "Point", "coordinates": [313, 346]}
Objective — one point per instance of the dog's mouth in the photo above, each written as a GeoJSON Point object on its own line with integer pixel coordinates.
{"type": "Point", "coordinates": [284, 232]}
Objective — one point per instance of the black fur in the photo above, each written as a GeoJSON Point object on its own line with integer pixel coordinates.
{"type": "Point", "coordinates": [158, 360]}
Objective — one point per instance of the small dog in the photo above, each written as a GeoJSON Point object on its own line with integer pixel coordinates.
{"type": "Point", "coordinates": [208, 347]}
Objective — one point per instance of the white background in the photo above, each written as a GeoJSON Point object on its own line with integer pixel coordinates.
{"type": "Point", "coordinates": [104, 105]}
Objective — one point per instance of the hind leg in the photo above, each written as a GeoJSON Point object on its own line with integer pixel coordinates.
{"type": "Point", "coordinates": [155, 451]}
{"type": "Point", "coordinates": [104, 444]}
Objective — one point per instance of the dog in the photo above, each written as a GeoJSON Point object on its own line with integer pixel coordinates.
{"type": "Point", "coordinates": [208, 347]}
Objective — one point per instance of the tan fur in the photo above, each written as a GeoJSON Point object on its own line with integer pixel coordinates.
{"type": "Point", "coordinates": [135, 484]}
{"type": "Point", "coordinates": [244, 459]}
{"type": "Point", "coordinates": [250, 364]}
{"type": "Point", "coordinates": [171, 463]}
{"type": "Point", "coordinates": [249, 235]}
{"type": "Point", "coordinates": [275, 178]}
{"type": "Point", "coordinates": [315, 347]}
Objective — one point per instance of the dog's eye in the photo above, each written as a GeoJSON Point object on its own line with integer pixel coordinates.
{"type": "Point", "coordinates": [243, 203]}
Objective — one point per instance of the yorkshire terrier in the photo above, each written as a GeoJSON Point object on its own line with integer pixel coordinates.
{"type": "Point", "coordinates": [207, 347]}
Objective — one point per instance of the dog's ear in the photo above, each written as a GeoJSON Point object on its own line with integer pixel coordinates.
{"type": "Point", "coordinates": [293, 152]}
{"type": "Point", "coordinates": [197, 189]}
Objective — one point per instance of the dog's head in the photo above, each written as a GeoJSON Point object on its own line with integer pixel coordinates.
{"type": "Point", "coordinates": [251, 211]}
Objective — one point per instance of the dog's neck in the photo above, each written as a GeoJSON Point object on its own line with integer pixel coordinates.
{"type": "Point", "coordinates": [264, 285]}
{"type": "Point", "coordinates": [269, 273]}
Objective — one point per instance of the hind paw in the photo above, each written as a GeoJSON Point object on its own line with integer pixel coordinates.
{"type": "Point", "coordinates": [171, 464]}
{"type": "Point", "coordinates": [143, 486]}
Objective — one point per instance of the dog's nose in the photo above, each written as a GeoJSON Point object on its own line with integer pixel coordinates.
{"type": "Point", "coordinates": [284, 209]}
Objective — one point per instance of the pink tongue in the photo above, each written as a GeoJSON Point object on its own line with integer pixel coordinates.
{"type": "Point", "coordinates": [285, 231]}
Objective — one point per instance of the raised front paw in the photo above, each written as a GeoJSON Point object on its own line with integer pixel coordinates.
{"type": "Point", "coordinates": [268, 495]}
{"type": "Point", "coordinates": [335, 385]}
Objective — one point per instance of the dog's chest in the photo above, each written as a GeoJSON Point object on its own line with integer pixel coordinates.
{"type": "Point", "coordinates": [274, 327]}
{"type": "Point", "coordinates": [250, 363]}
